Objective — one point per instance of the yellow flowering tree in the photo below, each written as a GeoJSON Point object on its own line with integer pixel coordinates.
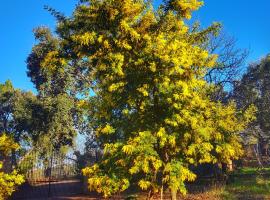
{"type": "Point", "coordinates": [151, 111]}
{"type": "Point", "coordinates": [8, 181]}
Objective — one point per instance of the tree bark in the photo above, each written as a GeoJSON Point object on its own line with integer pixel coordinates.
{"type": "Point", "coordinates": [13, 159]}
{"type": "Point", "coordinates": [150, 195]}
{"type": "Point", "coordinates": [173, 194]}
{"type": "Point", "coordinates": [256, 151]}
{"type": "Point", "coordinates": [161, 193]}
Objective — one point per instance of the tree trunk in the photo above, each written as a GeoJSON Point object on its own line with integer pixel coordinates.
{"type": "Point", "coordinates": [13, 159]}
{"type": "Point", "coordinates": [150, 195]}
{"type": "Point", "coordinates": [161, 193]}
{"type": "Point", "coordinates": [230, 166]}
{"type": "Point", "coordinates": [256, 151]}
{"type": "Point", "coordinates": [173, 194]}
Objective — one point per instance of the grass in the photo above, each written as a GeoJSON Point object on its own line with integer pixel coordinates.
{"type": "Point", "coordinates": [245, 184]}
{"type": "Point", "coordinates": [243, 187]}
{"type": "Point", "coordinates": [252, 171]}
{"type": "Point", "coordinates": [257, 187]}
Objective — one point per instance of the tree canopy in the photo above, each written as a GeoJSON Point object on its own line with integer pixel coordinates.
{"type": "Point", "coordinates": [254, 88]}
{"type": "Point", "coordinates": [140, 74]}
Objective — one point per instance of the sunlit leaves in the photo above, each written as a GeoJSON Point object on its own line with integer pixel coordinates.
{"type": "Point", "coordinates": [185, 7]}
{"type": "Point", "coordinates": [144, 185]}
{"type": "Point", "coordinates": [86, 39]}
{"type": "Point", "coordinates": [151, 110]}
{"type": "Point", "coordinates": [128, 149]}
{"type": "Point", "coordinates": [8, 181]}
{"type": "Point", "coordinates": [7, 144]}
{"type": "Point", "coordinates": [107, 130]}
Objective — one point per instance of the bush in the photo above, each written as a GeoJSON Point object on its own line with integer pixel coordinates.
{"type": "Point", "coordinates": [8, 181]}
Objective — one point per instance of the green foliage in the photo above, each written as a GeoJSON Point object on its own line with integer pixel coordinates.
{"type": "Point", "coordinates": [58, 113]}
{"type": "Point", "coordinates": [254, 88]}
{"type": "Point", "coordinates": [17, 115]}
{"type": "Point", "coordinates": [15, 111]}
{"type": "Point", "coordinates": [59, 126]}
{"type": "Point", "coordinates": [6, 107]}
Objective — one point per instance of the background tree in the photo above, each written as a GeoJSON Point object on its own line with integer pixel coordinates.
{"type": "Point", "coordinates": [7, 92]}
{"type": "Point", "coordinates": [231, 60]}
{"type": "Point", "coordinates": [55, 83]}
{"type": "Point", "coordinates": [254, 88]}
{"type": "Point", "coordinates": [16, 115]}
{"type": "Point", "coordinates": [229, 67]}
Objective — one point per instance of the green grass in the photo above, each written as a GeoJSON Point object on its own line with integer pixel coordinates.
{"type": "Point", "coordinates": [256, 185]}
{"type": "Point", "coordinates": [250, 171]}
{"type": "Point", "coordinates": [248, 183]}
{"type": "Point", "coordinates": [255, 188]}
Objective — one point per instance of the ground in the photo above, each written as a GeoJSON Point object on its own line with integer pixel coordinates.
{"type": "Point", "coordinates": [244, 184]}
{"type": "Point", "coordinates": [248, 183]}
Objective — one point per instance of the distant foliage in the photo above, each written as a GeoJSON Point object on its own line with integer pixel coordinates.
{"type": "Point", "coordinates": [57, 114]}
{"type": "Point", "coordinates": [254, 89]}
{"type": "Point", "coordinates": [17, 116]}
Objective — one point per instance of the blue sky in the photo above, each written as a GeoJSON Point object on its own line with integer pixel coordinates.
{"type": "Point", "coordinates": [248, 21]}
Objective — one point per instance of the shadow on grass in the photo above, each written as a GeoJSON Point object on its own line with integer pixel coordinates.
{"type": "Point", "coordinates": [248, 186]}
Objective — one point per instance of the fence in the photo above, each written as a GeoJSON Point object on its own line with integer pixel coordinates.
{"type": "Point", "coordinates": [48, 176]}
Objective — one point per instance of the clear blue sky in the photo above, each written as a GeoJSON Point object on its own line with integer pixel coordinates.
{"type": "Point", "coordinates": [246, 20]}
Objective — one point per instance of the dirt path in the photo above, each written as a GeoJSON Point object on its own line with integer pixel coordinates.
{"type": "Point", "coordinates": [44, 190]}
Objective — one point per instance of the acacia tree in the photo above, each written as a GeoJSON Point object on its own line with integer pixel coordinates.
{"type": "Point", "coordinates": [8, 181]}
{"type": "Point", "coordinates": [151, 111]}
